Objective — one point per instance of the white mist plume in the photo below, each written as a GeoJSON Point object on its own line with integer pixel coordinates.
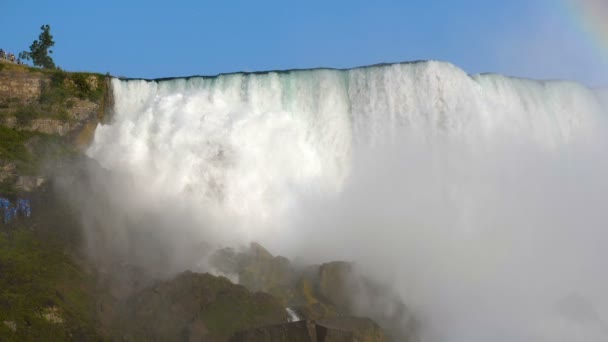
{"type": "Point", "coordinates": [480, 199]}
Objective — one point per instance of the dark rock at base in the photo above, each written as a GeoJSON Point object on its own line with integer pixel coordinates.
{"type": "Point", "coordinates": [196, 306]}
{"type": "Point", "coordinates": [360, 329]}
{"type": "Point", "coordinates": [319, 292]}
{"type": "Point", "coordinates": [302, 331]}
{"type": "Point", "coordinates": [339, 329]}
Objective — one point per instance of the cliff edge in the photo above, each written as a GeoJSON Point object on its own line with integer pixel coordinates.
{"type": "Point", "coordinates": [45, 115]}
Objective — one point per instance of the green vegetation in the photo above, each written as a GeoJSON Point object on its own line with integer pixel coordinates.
{"type": "Point", "coordinates": [86, 86]}
{"type": "Point", "coordinates": [40, 49]}
{"type": "Point", "coordinates": [25, 114]}
{"type": "Point", "coordinates": [60, 94]}
{"type": "Point", "coordinates": [31, 150]}
{"type": "Point", "coordinates": [42, 293]}
{"type": "Point", "coordinates": [12, 146]}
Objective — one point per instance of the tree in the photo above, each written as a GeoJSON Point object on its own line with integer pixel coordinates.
{"type": "Point", "coordinates": [39, 50]}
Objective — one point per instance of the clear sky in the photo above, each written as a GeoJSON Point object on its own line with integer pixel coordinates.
{"type": "Point", "coordinates": [150, 39]}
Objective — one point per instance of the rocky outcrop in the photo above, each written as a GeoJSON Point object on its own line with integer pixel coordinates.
{"type": "Point", "coordinates": [341, 329]}
{"type": "Point", "coordinates": [257, 269]}
{"type": "Point", "coordinates": [57, 109]}
{"type": "Point", "coordinates": [53, 101]}
{"type": "Point", "coordinates": [46, 126]}
{"type": "Point", "coordinates": [302, 331]}
{"type": "Point", "coordinates": [29, 183]}
{"type": "Point", "coordinates": [79, 114]}
{"type": "Point", "coordinates": [8, 170]}
{"type": "Point", "coordinates": [20, 86]}
{"type": "Point", "coordinates": [320, 292]}
{"type": "Point", "coordinates": [261, 271]}
{"type": "Point", "coordinates": [198, 307]}
{"type": "Point", "coordinates": [335, 282]}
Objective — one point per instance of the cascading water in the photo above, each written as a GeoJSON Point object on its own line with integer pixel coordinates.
{"type": "Point", "coordinates": [279, 157]}
{"type": "Point", "coordinates": [244, 143]}
{"type": "Point", "coordinates": [292, 316]}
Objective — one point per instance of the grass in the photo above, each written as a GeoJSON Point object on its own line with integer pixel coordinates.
{"type": "Point", "coordinates": [38, 274]}
{"type": "Point", "coordinates": [25, 114]}
{"type": "Point", "coordinates": [30, 151]}
{"type": "Point", "coordinates": [36, 277]}
{"type": "Point", "coordinates": [12, 144]}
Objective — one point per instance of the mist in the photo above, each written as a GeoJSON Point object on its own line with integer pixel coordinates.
{"type": "Point", "coordinates": [478, 201]}
{"type": "Point", "coordinates": [479, 248]}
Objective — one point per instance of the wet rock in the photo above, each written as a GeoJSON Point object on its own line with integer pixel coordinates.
{"type": "Point", "coordinates": [349, 329]}
{"type": "Point", "coordinates": [343, 329]}
{"type": "Point", "coordinates": [257, 269]}
{"type": "Point", "coordinates": [261, 271]}
{"type": "Point", "coordinates": [196, 306]}
{"type": "Point", "coordinates": [301, 331]}
{"type": "Point", "coordinates": [336, 280]}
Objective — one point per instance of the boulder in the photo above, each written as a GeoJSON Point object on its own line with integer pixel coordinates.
{"type": "Point", "coordinates": [336, 281]}
{"type": "Point", "coordinates": [342, 329]}
{"type": "Point", "coordinates": [196, 306]}
{"type": "Point", "coordinates": [257, 269]}
{"type": "Point", "coordinates": [261, 271]}
{"type": "Point", "coordinates": [302, 331]}
{"type": "Point", "coordinates": [349, 329]}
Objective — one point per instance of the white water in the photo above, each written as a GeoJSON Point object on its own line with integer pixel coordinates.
{"type": "Point", "coordinates": [447, 185]}
{"type": "Point", "coordinates": [292, 316]}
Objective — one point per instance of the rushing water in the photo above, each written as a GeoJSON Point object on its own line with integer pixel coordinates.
{"type": "Point", "coordinates": [439, 176]}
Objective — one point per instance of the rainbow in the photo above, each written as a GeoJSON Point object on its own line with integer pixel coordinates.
{"type": "Point", "coordinates": [592, 17]}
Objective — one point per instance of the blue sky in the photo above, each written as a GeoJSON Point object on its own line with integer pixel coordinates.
{"type": "Point", "coordinates": [150, 39]}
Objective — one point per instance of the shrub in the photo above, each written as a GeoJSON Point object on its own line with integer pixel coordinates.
{"type": "Point", "coordinates": [26, 114]}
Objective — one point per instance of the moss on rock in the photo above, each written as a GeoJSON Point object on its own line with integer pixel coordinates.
{"type": "Point", "coordinates": [198, 306]}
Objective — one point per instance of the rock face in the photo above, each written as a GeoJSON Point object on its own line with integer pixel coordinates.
{"type": "Point", "coordinates": [360, 329]}
{"type": "Point", "coordinates": [52, 107]}
{"type": "Point", "coordinates": [302, 331]}
{"type": "Point", "coordinates": [319, 292]}
{"type": "Point", "coordinates": [198, 307]}
{"type": "Point", "coordinates": [47, 126]}
{"type": "Point", "coordinates": [56, 97]}
{"type": "Point", "coordinates": [257, 270]}
{"type": "Point", "coordinates": [82, 112]}
{"type": "Point", "coordinates": [335, 282]}
{"type": "Point", "coordinates": [260, 271]}
{"type": "Point", "coordinates": [17, 86]}
{"type": "Point", "coordinates": [29, 183]}
{"type": "Point", "coordinates": [8, 170]}
{"type": "Point", "coordinates": [341, 329]}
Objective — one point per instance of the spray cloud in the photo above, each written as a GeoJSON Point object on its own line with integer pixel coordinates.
{"type": "Point", "coordinates": [479, 199]}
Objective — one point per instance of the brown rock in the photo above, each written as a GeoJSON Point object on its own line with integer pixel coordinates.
{"type": "Point", "coordinates": [335, 284]}
{"type": "Point", "coordinates": [343, 329]}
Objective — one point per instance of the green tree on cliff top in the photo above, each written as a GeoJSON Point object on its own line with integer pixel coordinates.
{"type": "Point", "coordinates": [39, 50]}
